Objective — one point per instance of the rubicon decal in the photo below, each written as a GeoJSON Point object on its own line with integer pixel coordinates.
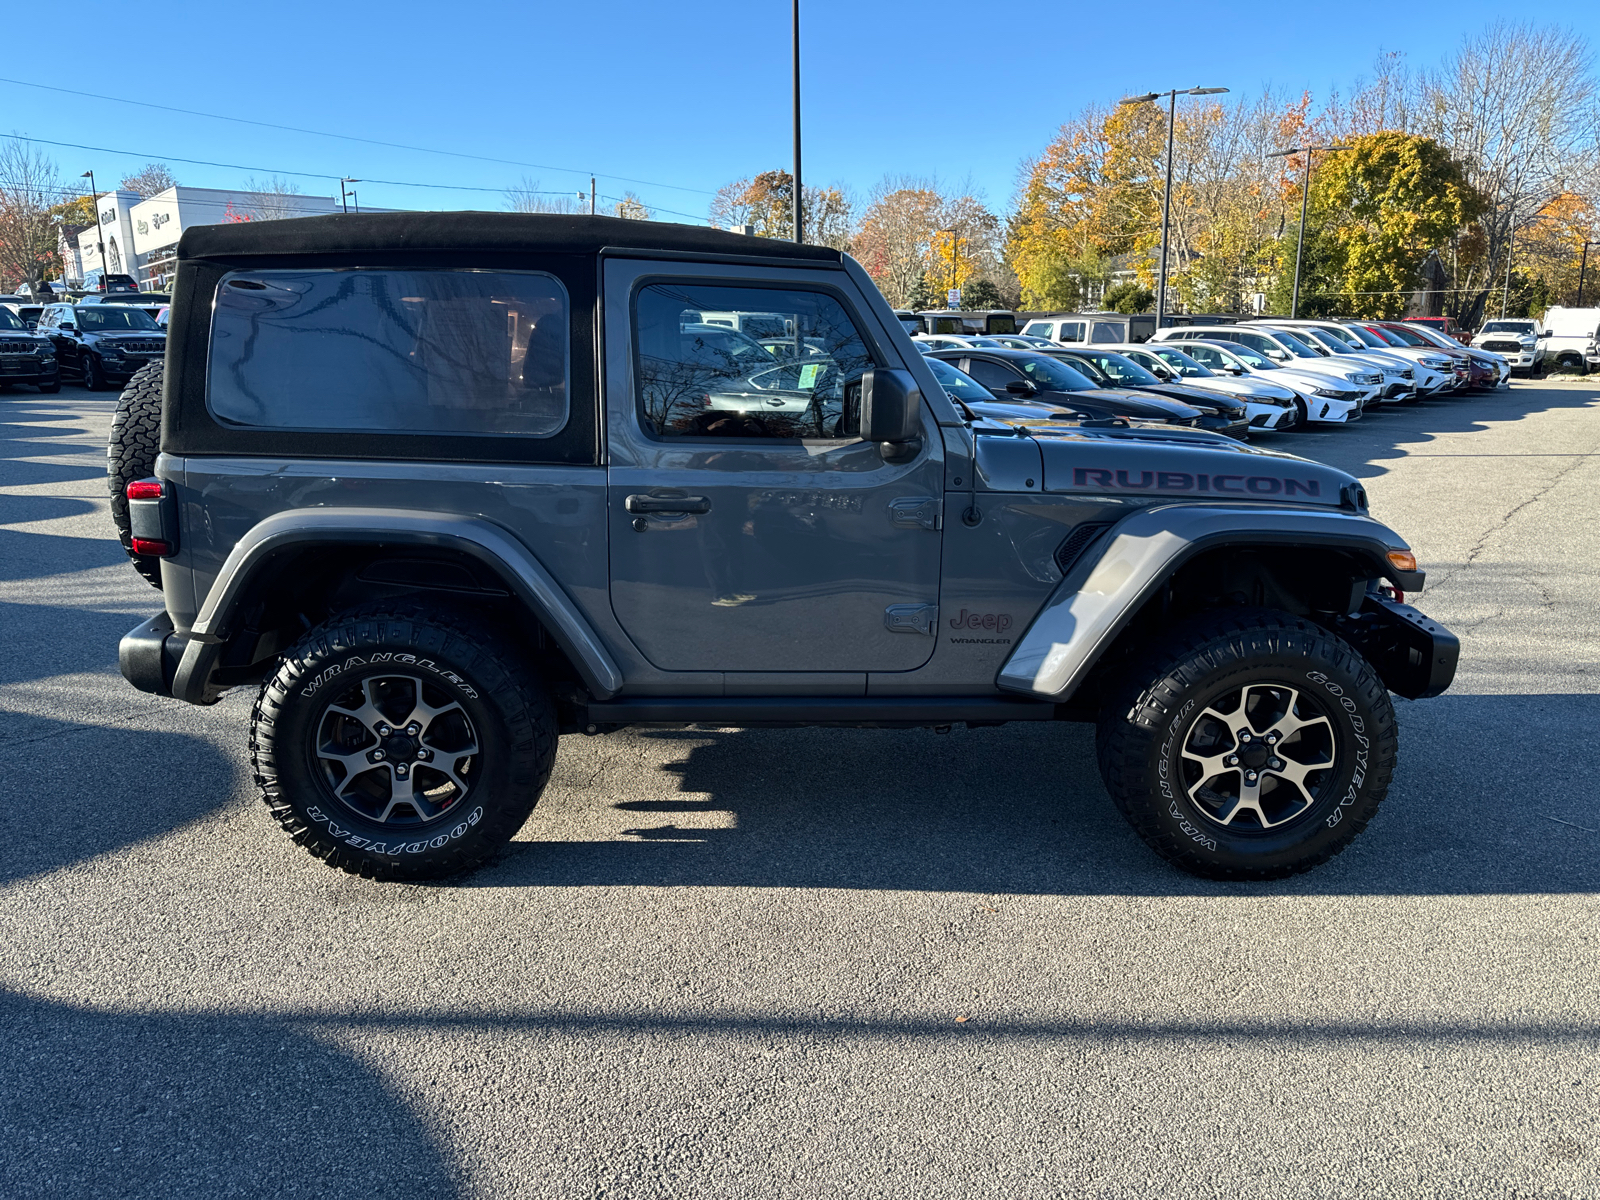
{"type": "Point", "coordinates": [1184, 481]}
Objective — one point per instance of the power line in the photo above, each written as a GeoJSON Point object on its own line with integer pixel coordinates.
{"type": "Point", "coordinates": [510, 162]}
{"type": "Point", "coordinates": [199, 162]}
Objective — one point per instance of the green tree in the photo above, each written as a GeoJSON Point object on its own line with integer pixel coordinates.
{"type": "Point", "coordinates": [1129, 298]}
{"type": "Point", "coordinates": [1393, 198]}
{"type": "Point", "coordinates": [981, 294]}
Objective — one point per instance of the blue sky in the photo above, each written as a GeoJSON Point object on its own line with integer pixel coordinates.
{"type": "Point", "coordinates": [681, 98]}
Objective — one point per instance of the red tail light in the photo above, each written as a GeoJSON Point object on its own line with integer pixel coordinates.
{"type": "Point", "coordinates": [144, 489]}
{"type": "Point", "coordinates": [151, 547]}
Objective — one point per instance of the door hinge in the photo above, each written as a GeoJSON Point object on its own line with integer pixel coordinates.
{"type": "Point", "coordinates": [917, 512]}
{"type": "Point", "coordinates": [911, 618]}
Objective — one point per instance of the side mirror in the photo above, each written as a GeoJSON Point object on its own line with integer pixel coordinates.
{"type": "Point", "coordinates": [1022, 387]}
{"type": "Point", "coordinates": [891, 412]}
{"type": "Point", "coordinates": [1546, 334]}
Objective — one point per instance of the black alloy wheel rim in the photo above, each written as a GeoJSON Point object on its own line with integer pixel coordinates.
{"type": "Point", "coordinates": [397, 750]}
{"type": "Point", "coordinates": [1259, 757]}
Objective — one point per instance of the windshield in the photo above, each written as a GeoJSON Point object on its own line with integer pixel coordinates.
{"type": "Point", "coordinates": [958, 383]}
{"type": "Point", "coordinates": [1341, 337]}
{"type": "Point", "coordinates": [1183, 364]}
{"type": "Point", "coordinates": [1053, 374]}
{"type": "Point", "coordinates": [1407, 336]}
{"type": "Point", "coordinates": [1507, 327]}
{"type": "Point", "coordinates": [1319, 337]}
{"type": "Point", "coordinates": [103, 317]}
{"type": "Point", "coordinates": [1121, 369]}
{"type": "Point", "coordinates": [1365, 336]}
{"type": "Point", "coordinates": [1247, 356]}
{"type": "Point", "coordinates": [1294, 345]}
{"type": "Point", "coordinates": [9, 319]}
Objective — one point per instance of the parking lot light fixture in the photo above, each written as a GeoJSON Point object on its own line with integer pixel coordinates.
{"type": "Point", "coordinates": [1166, 196]}
{"type": "Point", "coordinates": [344, 199]}
{"type": "Point", "coordinates": [1305, 194]}
{"type": "Point", "coordinates": [100, 240]}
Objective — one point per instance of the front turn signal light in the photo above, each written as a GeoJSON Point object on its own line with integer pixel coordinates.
{"type": "Point", "coordinates": [1402, 560]}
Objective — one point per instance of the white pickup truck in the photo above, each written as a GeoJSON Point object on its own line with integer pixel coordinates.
{"type": "Point", "coordinates": [1515, 339]}
{"type": "Point", "coordinates": [1570, 339]}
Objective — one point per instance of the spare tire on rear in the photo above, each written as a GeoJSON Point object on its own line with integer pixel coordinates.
{"type": "Point", "coordinates": [131, 454]}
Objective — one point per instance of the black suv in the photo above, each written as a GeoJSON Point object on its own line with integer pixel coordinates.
{"type": "Point", "coordinates": [25, 356]}
{"type": "Point", "coordinates": [443, 487]}
{"type": "Point", "coordinates": [101, 344]}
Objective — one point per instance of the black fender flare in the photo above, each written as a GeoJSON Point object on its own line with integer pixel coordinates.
{"type": "Point", "coordinates": [289, 532]}
{"type": "Point", "coordinates": [1102, 591]}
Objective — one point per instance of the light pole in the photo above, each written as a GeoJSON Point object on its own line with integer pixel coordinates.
{"type": "Point", "coordinates": [1583, 265]}
{"type": "Point", "coordinates": [1166, 200]}
{"type": "Point", "coordinates": [799, 222]}
{"type": "Point", "coordinates": [1305, 195]}
{"type": "Point", "coordinates": [100, 240]}
{"type": "Point", "coordinates": [344, 200]}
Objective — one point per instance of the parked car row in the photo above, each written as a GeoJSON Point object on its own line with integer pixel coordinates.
{"type": "Point", "coordinates": [99, 341]}
{"type": "Point", "coordinates": [1252, 375]}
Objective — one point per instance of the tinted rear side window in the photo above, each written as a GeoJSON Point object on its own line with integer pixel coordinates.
{"type": "Point", "coordinates": [438, 352]}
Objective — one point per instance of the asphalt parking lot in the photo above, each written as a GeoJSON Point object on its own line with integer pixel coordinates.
{"type": "Point", "coordinates": [817, 963]}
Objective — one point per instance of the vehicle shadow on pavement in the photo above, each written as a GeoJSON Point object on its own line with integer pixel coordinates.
{"type": "Point", "coordinates": [157, 1105]}
{"type": "Point", "coordinates": [1021, 810]}
{"type": "Point", "coordinates": [89, 789]}
{"type": "Point", "coordinates": [1361, 449]}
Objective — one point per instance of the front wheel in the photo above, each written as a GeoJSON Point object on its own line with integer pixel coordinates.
{"type": "Point", "coordinates": [1250, 745]}
{"type": "Point", "coordinates": [402, 743]}
{"type": "Point", "coordinates": [94, 375]}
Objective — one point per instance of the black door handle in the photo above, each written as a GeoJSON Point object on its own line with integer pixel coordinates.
{"type": "Point", "coordinates": [667, 504]}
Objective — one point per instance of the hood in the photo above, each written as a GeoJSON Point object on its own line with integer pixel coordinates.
{"type": "Point", "coordinates": [1250, 387]}
{"type": "Point", "coordinates": [1133, 403]}
{"type": "Point", "coordinates": [1189, 393]}
{"type": "Point", "coordinates": [1186, 463]}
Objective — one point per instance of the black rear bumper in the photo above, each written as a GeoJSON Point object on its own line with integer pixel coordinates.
{"type": "Point", "coordinates": [1415, 656]}
{"type": "Point", "coordinates": [149, 654]}
{"type": "Point", "coordinates": [156, 659]}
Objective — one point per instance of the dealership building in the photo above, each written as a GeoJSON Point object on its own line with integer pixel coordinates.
{"type": "Point", "coordinates": [141, 236]}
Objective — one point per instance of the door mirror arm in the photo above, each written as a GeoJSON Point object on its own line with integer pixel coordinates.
{"type": "Point", "coordinates": [891, 413]}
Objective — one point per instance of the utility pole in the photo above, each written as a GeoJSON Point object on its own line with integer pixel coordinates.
{"type": "Point", "coordinates": [1305, 195]}
{"type": "Point", "coordinates": [100, 240]}
{"type": "Point", "coordinates": [1505, 296]}
{"type": "Point", "coordinates": [1583, 266]}
{"type": "Point", "coordinates": [1166, 201]}
{"type": "Point", "coordinates": [799, 190]}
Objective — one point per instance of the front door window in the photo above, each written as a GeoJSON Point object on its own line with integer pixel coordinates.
{"type": "Point", "coordinates": [752, 529]}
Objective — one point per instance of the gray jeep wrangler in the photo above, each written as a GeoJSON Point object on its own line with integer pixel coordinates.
{"type": "Point", "coordinates": [447, 486]}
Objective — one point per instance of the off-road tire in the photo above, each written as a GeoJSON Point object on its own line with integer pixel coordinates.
{"type": "Point", "coordinates": [508, 705]}
{"type": "Point", "coordinates": [1145, 728]}
{"type": "Point", "coordinates": [131, 454]}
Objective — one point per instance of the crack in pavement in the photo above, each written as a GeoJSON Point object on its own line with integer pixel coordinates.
{"type": "Point", "coordinates": [1483, 541]}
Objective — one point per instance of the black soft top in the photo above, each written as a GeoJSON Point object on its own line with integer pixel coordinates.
{"type": "Point", "coordinates": [351, 232]}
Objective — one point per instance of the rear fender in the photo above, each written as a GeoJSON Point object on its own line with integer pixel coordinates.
{"type": "Point", "coordinates": [287, 533]}
{"type": "Point", "coordinates": [1103, 591]}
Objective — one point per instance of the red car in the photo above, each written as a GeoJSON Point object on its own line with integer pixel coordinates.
{"type": "Point", "coordinates": [1444, 325]}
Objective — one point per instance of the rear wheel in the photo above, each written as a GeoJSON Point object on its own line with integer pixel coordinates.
{"type": "Point", "coordinates": [1257, 746]}
{"type": "Point", "coordinates": [401, 743]}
